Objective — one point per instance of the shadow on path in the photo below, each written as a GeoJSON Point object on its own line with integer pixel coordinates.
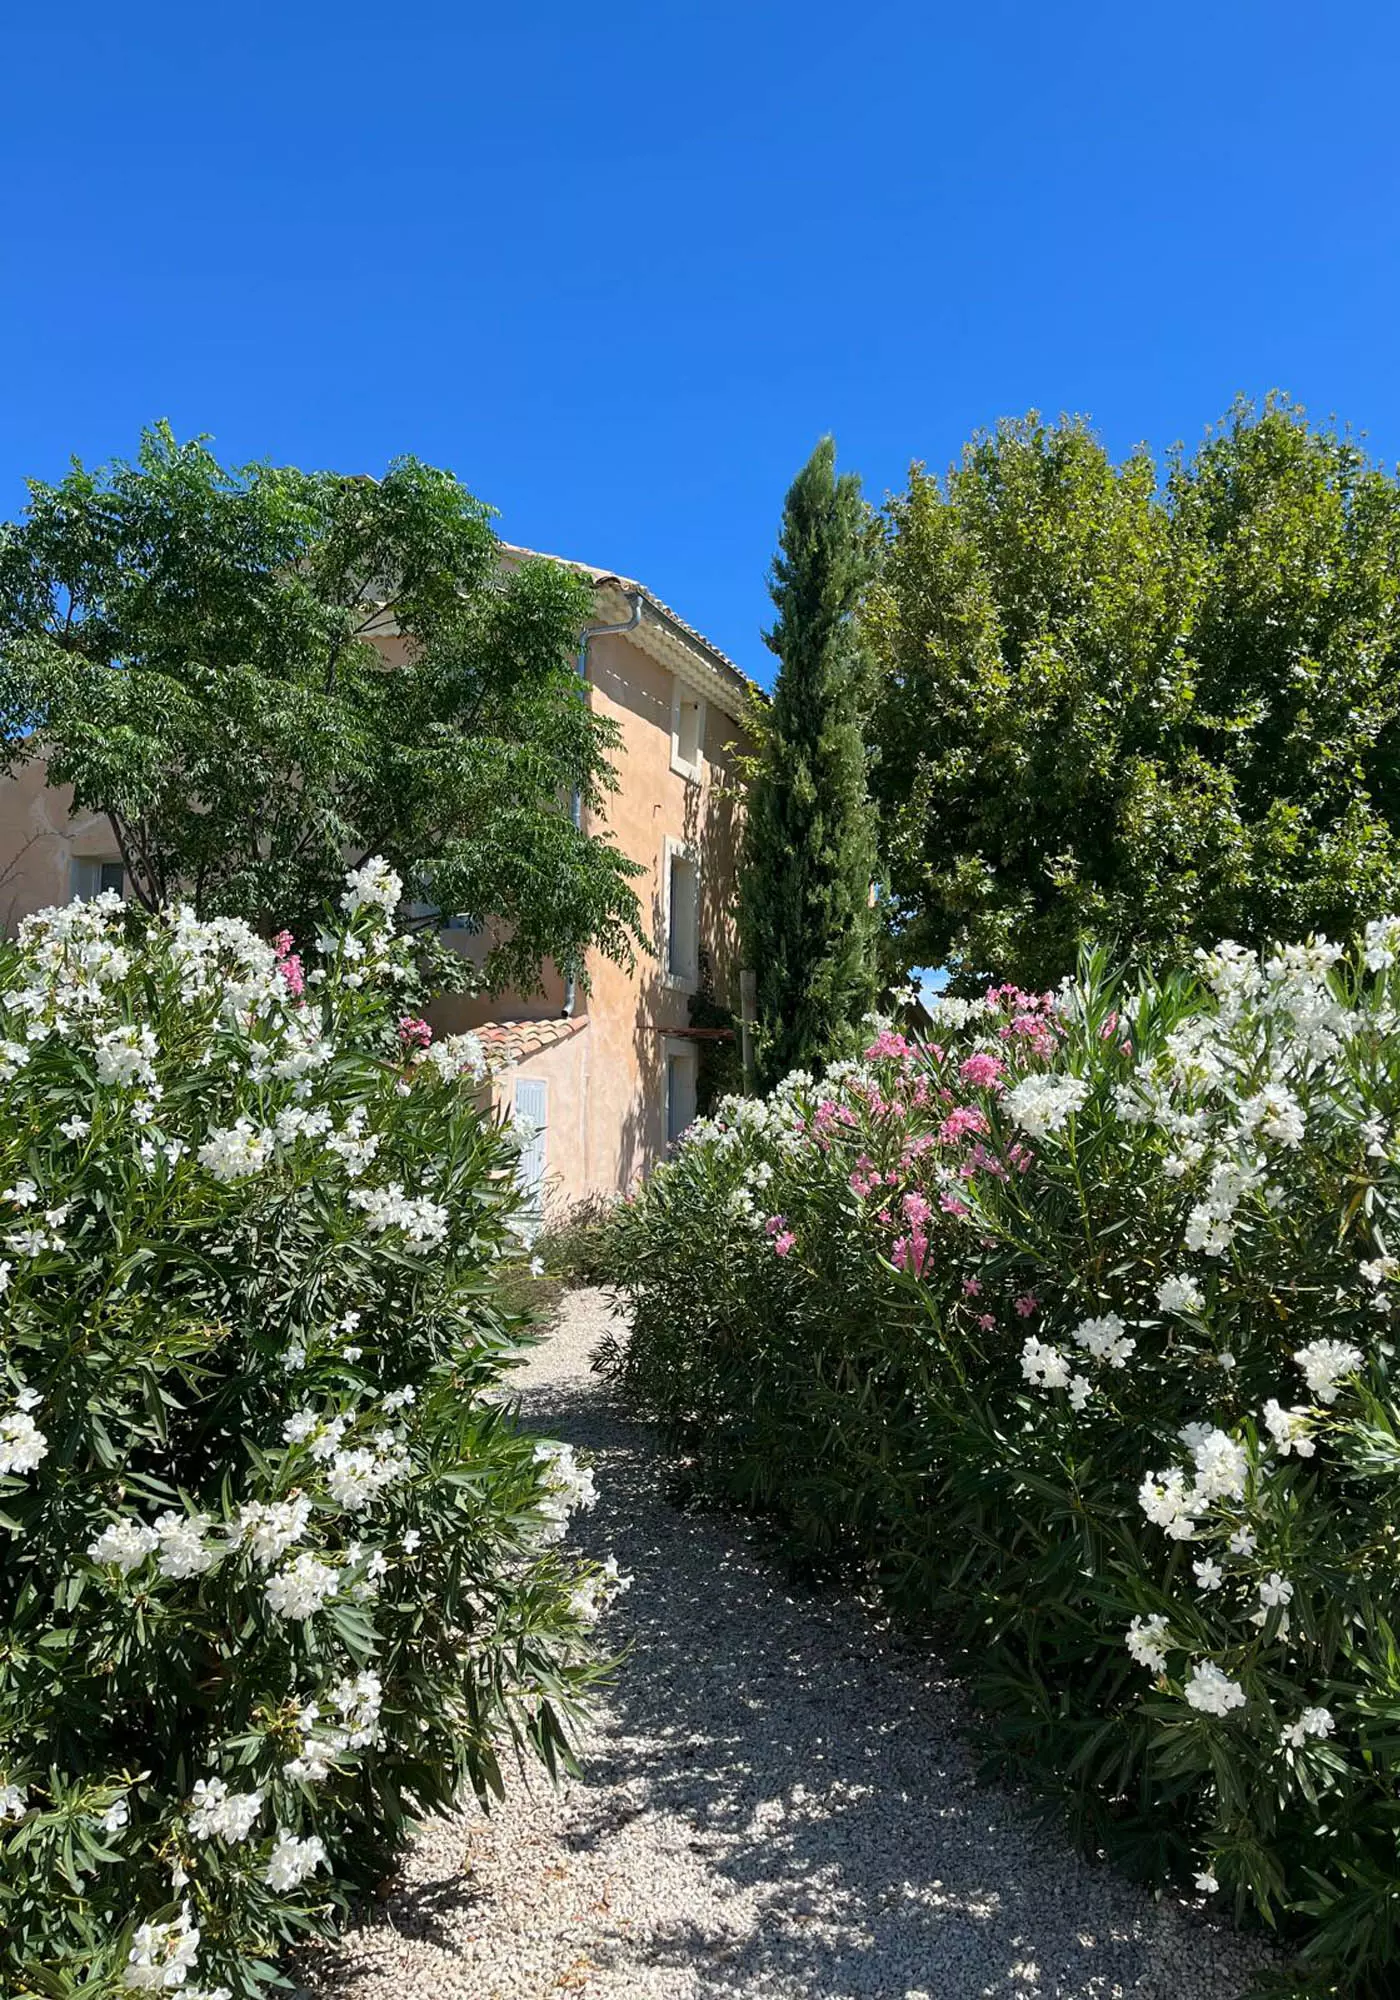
{"type": "Point", "coordinates": [809, 1774]}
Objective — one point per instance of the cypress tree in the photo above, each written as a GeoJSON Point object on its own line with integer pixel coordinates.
{"type": "Point", "coordinates": [806, 918]}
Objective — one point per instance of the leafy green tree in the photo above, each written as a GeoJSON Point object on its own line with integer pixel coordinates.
{"type": "Point", "coordinates": [192, 649]}
{"type": "Point", "coordinates": [809, 863]}
{"type": "Point", "coordinates": [1111, 704]}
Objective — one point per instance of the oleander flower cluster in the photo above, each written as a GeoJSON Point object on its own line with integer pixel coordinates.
{"type": "Point", "coordinates": [1071, 1321]}
{"type": "Point", "coordinates": [277, 1569]}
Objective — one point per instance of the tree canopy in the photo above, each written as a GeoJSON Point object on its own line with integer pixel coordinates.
{"type": "Point", "coordinates": [192, 649]}
{"type": "Point", "coordinates": [1156, 709]}
{"type": "Point", "coordinates": [809, 859]}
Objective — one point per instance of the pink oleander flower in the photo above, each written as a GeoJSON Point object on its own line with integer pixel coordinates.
{"type": "Point", "coordinates": [889, 1044]}
{"type": "Point", "coordinates": [783, 1244]}
{"type": "Point", "coordinates": [1027, 1304]}
{"type": "Point", "coordinates": [987, 1321]}
{"type": "Point", "coordinates": [961, 1124]}
{"type": "Point", "coordinates": [414, 1032]}
{"type": "Point", "coordinates": [911, 1253]}
{"type": "Point", "coordinates": [775, 1225]}
{"type": "Point", "coordinates": [917, 1209]}
{"type": "Point", "coordinates": [987, 1071]}
{"type": "Point", "coordinates": [289, 965]}
{"type": "Point", "coordinates": [972, 1287]}
{"type": "Point", "coordinates": [950, 1205]}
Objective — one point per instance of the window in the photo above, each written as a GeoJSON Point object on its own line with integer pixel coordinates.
{"type": "Point", "coordinates": [89, 876]}
{"type": "Point", "coordinates": [681, 1075]}
{"type": "Point", "coordinates": [687, 732]}
{"type": "Point", "coordinates": [682, 915]}
{"type": "Point", "coordinates": [530, 1120]}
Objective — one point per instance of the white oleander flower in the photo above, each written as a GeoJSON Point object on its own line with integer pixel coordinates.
{"type": "Point", "coordinates": [234, 1151]}
{"type": "Point", "coordinates": [422, 1221]}
{"type": "Point", "coordinates": [1209, 1574]}
{"type": "Point", "coordinates": [126, 1055]}
{"type": "Point", "coordinates": [1275, 1590]}
{"type": "Point", "coordinates": [568, 1486]}
{"type": "Point", "coordinates": [1381, 943]}
{"type": "Point", "coordinates": [1105, 1340]}
{"type": "Point", "coordinates": [591, 1598]}
{"type": "Point", "coordinates": [161, 1955]}
{"type": "Point", "coordinates": [126, 1543]}
{"type": "Point", "coordinates": [1318, 1722]}
{"type": "Point", "coordinates": [292, 1861]}
{"type": "Point", "coordinates": [1276, 1113]}
{"type": "Point", "coordinates": [356, 1478]}
{"type": "Point", "coordinates": [1211, 1691]}
{"type": "Point", "coordinates": [1222, 1467]}
{"type": "Point", "coordinates": [1180, 1295]}
{"type": "Point", "coordinates": [271, 1527]}
{"type": "Point", "coordinates": [1147, 1642]}
{"type": "Point", "coordinates": [300, 1590]}
{"type": "Point", "coordinates": [1325, 1363]}
{"type": "Point", "coordinates": [183, 1550]}
{"type": "Point", "coordinates": [1291, 1430]}
{"type": "Point", "coordinates": [1043, 1365]}
{"type": "Point", "coordinates": [1043, 1103]}
{"type": "Point", "coordinates": [216, 1813]}
{"type": "Point", "coordinates": [1169, 1503]}
{"type": "Point", "coordinates": [22, 1443]}
{"type": "Point", "coordinates": [373, 885]}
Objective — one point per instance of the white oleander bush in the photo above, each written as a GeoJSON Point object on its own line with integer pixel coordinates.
{"type": "Point", "coordinates": [1073, 1331]}
{"type": "Point", "coordinates": [278, 1570]}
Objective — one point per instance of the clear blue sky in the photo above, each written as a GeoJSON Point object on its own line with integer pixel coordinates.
{"type": "Point", "coordinates": [619, 266]}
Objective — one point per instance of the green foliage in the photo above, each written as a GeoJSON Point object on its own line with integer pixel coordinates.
{"type": "Point", "coordinates": [269, 1528]}
{"type": "Point", "coordinates": [575, 1244]}
{"type": "Point", "coordinates": [1073, 1336]}
{"type": "Point", "coordinates": [720, 1058]}
{"type": "Point", "coordinates": [191, 648]}
{"type": "Point", "coordinates": [1157, 712]}
{"type": "Point", "coordinates": [808, 864]}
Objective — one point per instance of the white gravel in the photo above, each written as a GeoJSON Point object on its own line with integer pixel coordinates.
{"type": "Point", "coordinates": [777, 1802]}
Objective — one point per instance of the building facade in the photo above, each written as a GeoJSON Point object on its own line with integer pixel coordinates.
{"type": "Point", "coordinates": [602, 1076]}
{"type": "Point", "coordinates": [609, 1071]}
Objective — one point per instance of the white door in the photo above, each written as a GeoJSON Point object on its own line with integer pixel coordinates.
{"type": "Point", "coordinates": [531, 1113]}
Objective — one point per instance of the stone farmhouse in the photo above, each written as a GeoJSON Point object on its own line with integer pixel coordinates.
{"type": "Point", "coordinates": [603, 1074]}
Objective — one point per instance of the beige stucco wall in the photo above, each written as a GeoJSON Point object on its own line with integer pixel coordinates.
{"type": "Point", "coordinates": [40, 836]}
{"type": "Point", "coordinates": [618, 1131]}
{"type": "Point", "coordinates": [566, 1071]}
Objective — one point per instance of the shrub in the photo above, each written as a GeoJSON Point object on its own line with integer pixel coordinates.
{"type": "Point", "coordinates": [276, 1566]}
{"type": "Point", "coordinates": [575, 1244]}
{"type": "Point", "coordinates": [1074, 1332]}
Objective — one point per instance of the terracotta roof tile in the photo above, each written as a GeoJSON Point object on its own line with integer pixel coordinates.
{"type": "Point", "coordinates": [509, 1042]}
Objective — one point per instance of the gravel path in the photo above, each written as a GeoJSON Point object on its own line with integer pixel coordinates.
{"type": "Point", "coordinates": [777, 1803]}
